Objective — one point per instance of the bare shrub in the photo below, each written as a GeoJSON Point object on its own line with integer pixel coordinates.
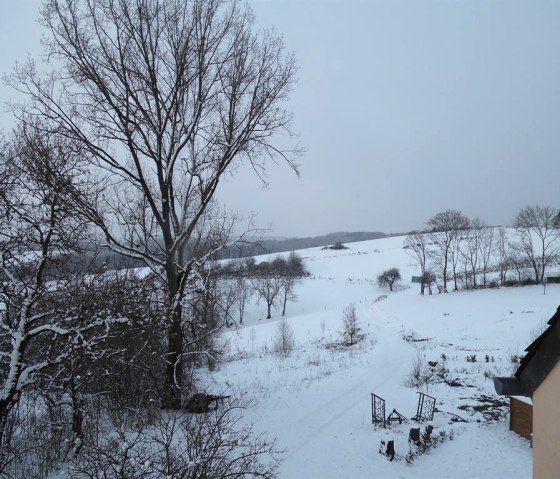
{"type": "Point", "coordinates": [419, 374]}
{"type": "Point", "coordinates": [429, 440]}
{"type": "Point", "coordinates": [179, 445]}
{"type": "Point", "coordinates": [352, 331]}
{"type": "Point", "coordinates": [33, 444]}
{"type": "Point", "coordinates": [252, 337]}
{"type": "Point", "coordinates": [284, 341]}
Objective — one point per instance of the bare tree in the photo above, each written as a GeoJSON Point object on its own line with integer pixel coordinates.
{"type": "Point", "coordinates": [486, 247]}
{"type": "Point", "coordinates": [389, 277]}
{"type": "Point", "coordinates": [122, 366]}
{"type": "Point", "coordinates": [444, 227]}
{"type": "Point", "coordinates": [166, 98]}
{"type": "Point", "coordinates": [455, 255]}
{"type": "Point", "coordinates": [471, 252]}
{"type": "Point", "coordinates": [504, 254]}
{"type": "Point", "coordinates": [417, 246]}
{"type": "Point", "coordinates": [39, 228]}
{"type": "Point", "coordinates": [519, 262]}
{"type": "Point", "coordinates": [288, 283]}
{"type": "Point", "coordinates": [295, 264]}
{"type": "Point", "coordinates": [242, 294]}
{"type": "Point", "coordinates": [267, 283]}
{"type": "Point", "coordinates": [227, 298]}
{"type": "Point", "coordinates": [536, 224]}
{"type": "Point", "coordinates": [524, 247]}
{"type": "Point", "coordinates": [291, 271]}
{"type": "Point", "coordinates": [428, 279]}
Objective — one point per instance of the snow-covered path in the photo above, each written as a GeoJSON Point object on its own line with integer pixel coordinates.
{"type": "Point", "coordinates": [317, 402]}
{"type": "Point", "coordinates": [333, 422]}
{"type": "Point", "coordinates": [324, 425]}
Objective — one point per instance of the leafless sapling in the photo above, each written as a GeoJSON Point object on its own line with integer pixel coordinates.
{"type": "Point", "coordinates": [417, 247]}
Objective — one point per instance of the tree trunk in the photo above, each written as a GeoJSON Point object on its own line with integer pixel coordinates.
{"type": "Point", "coordinates": [284, 305]}
{"type": "Point", "coordinates": [77, 430]}
{"type": "Point", "coordinates": [268, 304]}
{"type": "Point", "coordinates": [174, 362]}
{"type": "Point", "coordinates": [5, 408]}
{"type": "Point", "coordinates": [536, 269]}
{"type": "Point", "coordinates": [455, 288]}
{"type": "Point", "coordinates": [445, 272]}
{"type": "Point", "coordinates": [503, 272]}
{"type": "Point", "coordinates": [77, 415]}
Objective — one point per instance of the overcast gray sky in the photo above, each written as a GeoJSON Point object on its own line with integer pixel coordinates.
{"type": "Point", "coordinates": [406, 108]}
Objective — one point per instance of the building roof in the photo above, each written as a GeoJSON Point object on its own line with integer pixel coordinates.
{"type": "Point", "coordinates": [540, 358]}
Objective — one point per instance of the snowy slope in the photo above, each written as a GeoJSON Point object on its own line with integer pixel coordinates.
{"type": "Point", "coordinates": [316, 402]}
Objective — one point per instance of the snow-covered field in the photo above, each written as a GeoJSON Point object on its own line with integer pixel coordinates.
{"type": "Point", "coordinates": [317, 401]}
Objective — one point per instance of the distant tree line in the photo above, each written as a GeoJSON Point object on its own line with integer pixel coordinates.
{"type": "Point", "coordinates": [90, 257]}
{"type": "Point", "coordinates": [458, 252]}
{"type": "Point", "coordinates": [266, 246]}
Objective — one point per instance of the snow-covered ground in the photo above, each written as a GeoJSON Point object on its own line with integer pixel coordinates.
{"type": "Point", "coordinates": [317, 401]}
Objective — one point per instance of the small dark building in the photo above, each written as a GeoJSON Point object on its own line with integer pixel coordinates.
{"type": "Point", "coordinates": [521, 416]}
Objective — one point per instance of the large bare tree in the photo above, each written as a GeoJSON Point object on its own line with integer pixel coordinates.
{"type": "Point", "coordinates": [444, 227]}
{"type": "Point", "coordinates": [535, 225]}
{"type": "Point", "coordinates": [167, 97]}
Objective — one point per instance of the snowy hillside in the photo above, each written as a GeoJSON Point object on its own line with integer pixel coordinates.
{"type": "Point", "coordinates": [317, 401]}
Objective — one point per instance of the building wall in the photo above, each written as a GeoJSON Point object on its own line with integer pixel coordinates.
{"type": "Point", "coordinates": [521, 417]}
{"type": "Point", "coordinates": [546, 427]}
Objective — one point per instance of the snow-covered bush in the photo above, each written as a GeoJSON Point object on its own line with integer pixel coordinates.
{"type": "Point", "coordinates": [179, 445]}
{"type": "Point", "coordinates": [429, 439]}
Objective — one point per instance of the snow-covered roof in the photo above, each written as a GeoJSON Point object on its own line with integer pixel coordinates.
{"type": "Point", "coordinates": [523, 399]}
{"type": "Point", "coordinates": [542, 355]}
